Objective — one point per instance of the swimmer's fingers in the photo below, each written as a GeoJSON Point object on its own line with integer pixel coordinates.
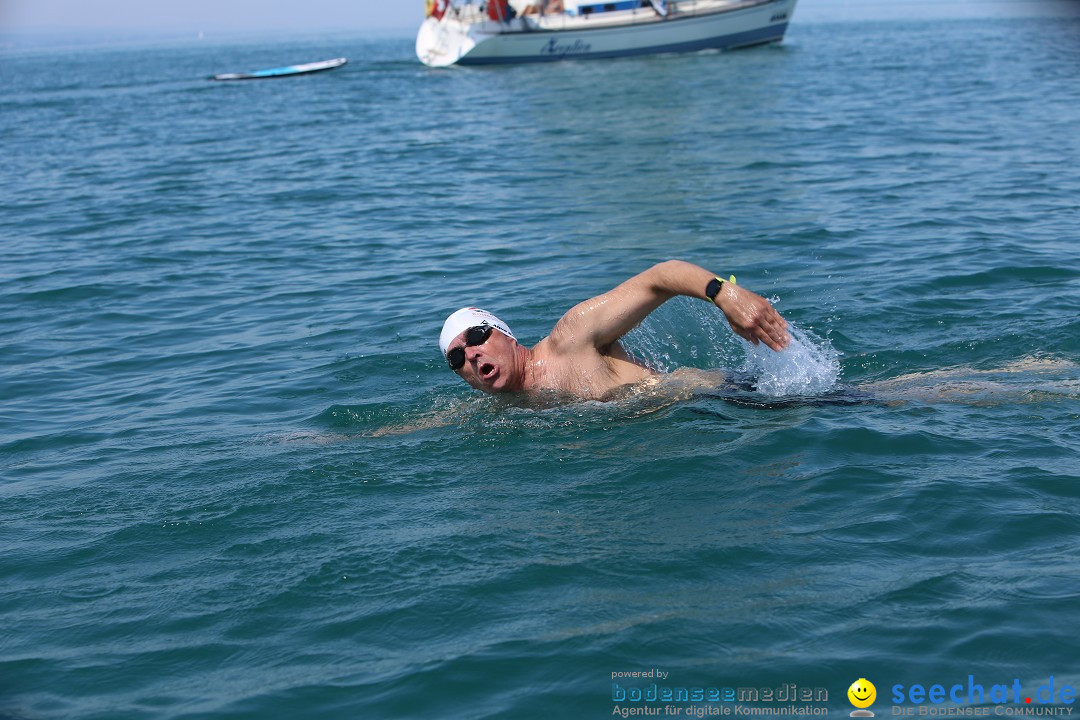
{"type": "Point", "coordinates": [772, 334]}
{"type": "Point", "coordinates": [754, 319]}
{"type": "Point", "coordinates": [775, 330]}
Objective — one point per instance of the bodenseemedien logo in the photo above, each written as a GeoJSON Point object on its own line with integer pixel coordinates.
{"type": "Point", "coordinates": [664, 697]}
{"type": "Point", "coordinates": [862, 694]}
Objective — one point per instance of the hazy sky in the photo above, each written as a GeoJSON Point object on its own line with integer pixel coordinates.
{"type": "Point", "coordinates": [226, 16]}
{"type": "Point", "coordinates": [209, 15]}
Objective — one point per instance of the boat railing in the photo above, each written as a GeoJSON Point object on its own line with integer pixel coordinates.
{"type": "Point", "coordinates": [466, 12]}
{"type": "Point", "coordinates": [471, 12]}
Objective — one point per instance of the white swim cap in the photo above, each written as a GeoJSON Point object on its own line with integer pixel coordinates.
{"type": "Point", "coordinates": [466, 318]}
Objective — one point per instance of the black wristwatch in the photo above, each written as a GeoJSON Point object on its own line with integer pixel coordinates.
{"type": "Point", "coordinates": [713, 289]}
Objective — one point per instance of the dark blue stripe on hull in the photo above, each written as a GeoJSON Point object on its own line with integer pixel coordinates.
{"type": "Point", "coordinates": [772, 33]}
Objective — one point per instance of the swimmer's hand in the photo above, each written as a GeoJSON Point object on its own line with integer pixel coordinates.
{"type": "Point", "coordinates": [752, 317]}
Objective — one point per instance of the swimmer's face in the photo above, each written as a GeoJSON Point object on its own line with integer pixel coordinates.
{"type": "Point", "coordinates": [862, 693]}
{"type": "Point", "coordinates": [488, 366]}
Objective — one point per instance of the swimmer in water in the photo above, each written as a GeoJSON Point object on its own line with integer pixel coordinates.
{"type": "Point", "coordinates": [582, 356]}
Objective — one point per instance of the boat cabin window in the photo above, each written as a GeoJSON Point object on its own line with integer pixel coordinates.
{"type": "Point", "coordinates": [590, 8]}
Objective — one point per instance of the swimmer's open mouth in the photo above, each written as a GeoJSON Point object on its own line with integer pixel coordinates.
{"type": "Point", "coordinates": [487, 370]}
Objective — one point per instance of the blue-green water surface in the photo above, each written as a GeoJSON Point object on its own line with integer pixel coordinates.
{"type": "Point", "coordinates": [237, 480]}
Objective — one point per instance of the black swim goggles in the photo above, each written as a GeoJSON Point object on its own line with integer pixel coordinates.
{"type": "Point", "coordinates": [477, 335]}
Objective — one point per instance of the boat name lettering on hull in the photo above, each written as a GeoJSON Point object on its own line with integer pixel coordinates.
{"type": "Point", "coordinates": [555, 49]}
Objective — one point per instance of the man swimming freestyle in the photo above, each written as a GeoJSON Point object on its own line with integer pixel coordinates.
{"type": "Point", "coordinates": [582, 356]}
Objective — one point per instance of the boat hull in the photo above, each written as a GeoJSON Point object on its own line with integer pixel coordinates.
{"type": "Point", "coordinates": [450, 42]}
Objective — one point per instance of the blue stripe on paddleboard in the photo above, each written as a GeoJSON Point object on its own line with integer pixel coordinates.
{"type": "Point", "coordinates": [275, 71]}
{"type": "Point", "coordinates": [751, 37]}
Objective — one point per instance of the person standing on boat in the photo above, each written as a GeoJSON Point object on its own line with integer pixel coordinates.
{"type": "Point", "coordinates": [436, 8]}
{"type": "Point", "coordinates": [500, 10]}
{"type": "Point", "coordinates": [582, 356]}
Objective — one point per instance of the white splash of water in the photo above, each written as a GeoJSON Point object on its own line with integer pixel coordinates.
{"type": "Point", "coordinates": [807, 366]}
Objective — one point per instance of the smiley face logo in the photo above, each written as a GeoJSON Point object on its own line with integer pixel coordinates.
{"type": "Point", "coordinates": [862, 693]}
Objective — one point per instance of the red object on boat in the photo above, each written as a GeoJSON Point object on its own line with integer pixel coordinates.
{"type": "Point", "coordinates": [498, 10]}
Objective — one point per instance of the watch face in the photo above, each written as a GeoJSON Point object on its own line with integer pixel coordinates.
{"type": "Point", "coordinates": [712, 288]}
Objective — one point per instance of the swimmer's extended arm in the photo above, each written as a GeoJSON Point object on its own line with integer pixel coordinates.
{"type": "Point", "coordinates": [604, 319]}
